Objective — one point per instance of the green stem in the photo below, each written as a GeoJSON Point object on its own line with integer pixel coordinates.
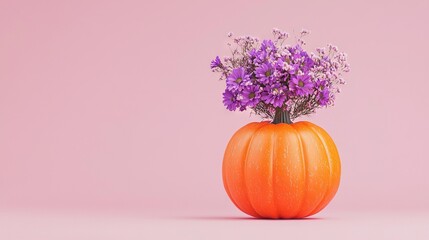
{"type": "Point", "coordinates": [281, 116]}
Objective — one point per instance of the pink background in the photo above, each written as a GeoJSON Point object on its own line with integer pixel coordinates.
{"type": "Point", "coordinates": [111, 105]}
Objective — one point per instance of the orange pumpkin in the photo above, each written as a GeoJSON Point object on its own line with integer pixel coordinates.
{"type": "Point", "coordinates": [281, 170]}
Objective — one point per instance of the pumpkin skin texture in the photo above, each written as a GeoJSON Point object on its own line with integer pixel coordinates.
{"type": "Point", "coordinates": [281, 170]}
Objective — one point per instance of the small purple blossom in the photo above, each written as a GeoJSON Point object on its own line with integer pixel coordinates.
{"type": "Point", "coordinates": [278, 34]}
{"type": "Point", "coordinates": [251, 95]}
{"type": "Point", "coordinates": [294, 68]}
{"type": "Point", "coordinates": [261, 57]}
{"type": "Point", "coordinates": [237, 79]}
{"type": "Point", "coordinates": [302, 61]}
{"type": "Point", "coordinates": [268, 45]}
{"type": "Point", "coordinates": [274, 94]}
{"type": "Point", "coordinates": [253, 54]}
{"type": "Point", "coordinates": [321, 84]}
{"type": "Point", "coordinates": [230, 100]}
{"type": "Point", "coordinates": [265, 73]}
{"type": "Point", "coordinates": [216, 63]}
{"type": "Point", "coordinates": [301, 85]}
{"type": "Point", "coordinates": [279, 64]}
{"type": "Point", "coordinates": [323, 97]}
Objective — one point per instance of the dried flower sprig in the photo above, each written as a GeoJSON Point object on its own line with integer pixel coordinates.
{"type": "Point", "coordinates": [269, 76]}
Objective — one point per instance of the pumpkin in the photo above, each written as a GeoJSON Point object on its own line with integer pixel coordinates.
{"type": "Point", "coordinates": [281, 170]}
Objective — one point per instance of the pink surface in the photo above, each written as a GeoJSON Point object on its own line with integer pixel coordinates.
{"type": "Point", "coordinates": [402, 225]}
{"type": "Point", "coordinates": [111, 106]}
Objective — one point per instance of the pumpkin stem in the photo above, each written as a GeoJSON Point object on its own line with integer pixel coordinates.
{"type": "Point", "coordinates": [282, 116]}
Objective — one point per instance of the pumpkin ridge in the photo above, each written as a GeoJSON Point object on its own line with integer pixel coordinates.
{"type": "Point", "coordinates": [335, 169]}
{"type": "Point", "coordinates": [273, 157]}
{"type": "Point", "coordinates": [226, 182]}
{"type": "Point", "coordinates": [305, 177]}
{"type": "Point", "coordinates": [237, 135]}
{"type": "Point", "coordinates": [244, 169]}
{"type": "Point", "coordinates": [329, 185]}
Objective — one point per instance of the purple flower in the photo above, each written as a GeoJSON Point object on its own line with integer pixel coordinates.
{"type": "Point", "coordinates": [237, 79]}
{"type": "Point", "coordinates": [321, 84]}
{"type": "Point", "coordinates": [230, 100]}
{"type": "Point", "coordinates": [260, 57]}
{"type": "Point", "coordinates": [279, 63]}
{"type": "Point", "coordinates": [294, 68]}
{"type": "Point", "coordinates": [265, 73]}
{"type": "Point", "coordinates": [307, 64]}
{"type": "Point", "coordinates": [251, 95]}
{"type": "Point", "coordinates": [216, 63]}
{"type": "Point", "coordinates": [268, 45]}
{"type": "Point", "coordinates": [274, 94]}
{"type": "Point", "coordinates": [253, 53]}
{"type": "Point", "coordinates": [301, 85]}
{"type": "Point", "coordinates": [254, 57]}
{"type": "Point", "coordinates": [301, 59]}
{"type": "Point", "coordinates": [296, 51]}
{"type": "Point", "coordinates": [323, 97]}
